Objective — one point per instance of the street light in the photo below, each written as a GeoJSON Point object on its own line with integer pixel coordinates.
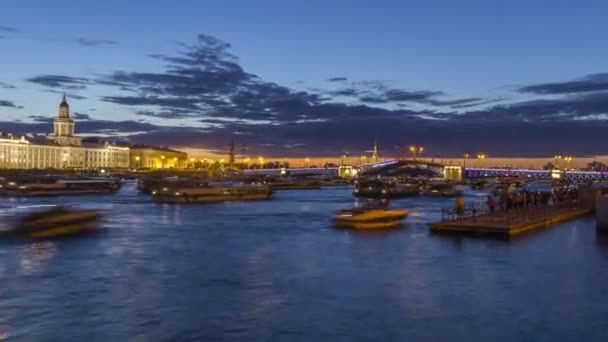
{"type": "Point", "coordinates": [261, 160]}
{"type": "Point", "coordinates": [307, 161]}
{"type": "Point", "coordinates": [568, 159]}
{"type": "Point", "coordinates": [557, 159]}
{"type": "Point", "coordinates": [416, 151]}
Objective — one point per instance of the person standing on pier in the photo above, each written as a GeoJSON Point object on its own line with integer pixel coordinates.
{"type": "Point", "coordinates": [459, 207]}
{"type": "Point", "coordinates": [491, 203]}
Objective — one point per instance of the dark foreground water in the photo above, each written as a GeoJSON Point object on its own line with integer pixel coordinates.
{"type": "Point", "coordinates": [277, 271]}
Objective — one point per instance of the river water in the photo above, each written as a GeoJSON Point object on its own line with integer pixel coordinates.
{"type": "Point", "coordinates": [276, 271]}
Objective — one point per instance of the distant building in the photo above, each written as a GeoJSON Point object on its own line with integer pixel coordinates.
{"type": "Point", "coordinates": [62, 150]}
{"type": "Point", "coordinates": [148, 157]}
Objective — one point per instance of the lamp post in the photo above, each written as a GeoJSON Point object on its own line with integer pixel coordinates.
{"type": "Point", "coordinates": [261, 161]}
{"type": "Point", "coordinates": [307, 162]}
{"type": "Point", "coordinates": [162, 162]}
{"type": "Point", "coordinates": [557, 159]}
{"type": "Point", "coordinates": [464, 160]}
{"type": "Point", "coordinates": [568, 159]}
{"type": "Point", "coordinates": [137, 159]}
{"type": "Point", "coordinates": [416, 151]}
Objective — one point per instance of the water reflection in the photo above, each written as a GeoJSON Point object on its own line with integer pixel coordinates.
{"type": "Point", "coordinates": [277, 270]}
{"type": "Point", "coordinates": [36, 255]}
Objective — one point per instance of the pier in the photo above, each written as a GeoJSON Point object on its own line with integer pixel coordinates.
{"type": "Point", "coordinates": [509, 223]}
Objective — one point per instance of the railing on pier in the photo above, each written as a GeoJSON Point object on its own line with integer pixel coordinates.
{"type": "Point", "coordinates": [509, 216]}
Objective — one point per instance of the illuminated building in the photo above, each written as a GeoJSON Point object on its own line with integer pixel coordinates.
{"type": "Point", "coordinates": [61, 150]}
{"type": "Point", "coordinates": [148, 157]}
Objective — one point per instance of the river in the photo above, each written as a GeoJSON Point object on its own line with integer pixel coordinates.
{"type": "Point", "coordinates": [277, 271]}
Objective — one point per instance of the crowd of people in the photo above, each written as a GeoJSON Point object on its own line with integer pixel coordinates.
{"type": "Point", "coordinates": [530, 199]}
{"type": "Point", "coordinates": [505, 200]}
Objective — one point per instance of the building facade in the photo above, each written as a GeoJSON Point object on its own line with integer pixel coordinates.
{"type": "Point", "coordinates": [147, 157]}
{"type": "Point", "coordinates": [62, 150]}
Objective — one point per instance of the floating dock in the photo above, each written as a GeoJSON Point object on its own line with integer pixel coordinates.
{"type": "Point", "coordinates": [512, 222]}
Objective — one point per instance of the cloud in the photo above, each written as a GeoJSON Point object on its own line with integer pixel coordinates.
{"type": "Point", "coordinates": [81, 116]}
{"type": "Point", "coordinates": [7, 86]}
{"type": "Point", "coordinates": [40, 118]}
{"type": "Point", "coordinates": [204, 86]}
{"type": "Point", "coordinates": [69, 95]}
{"type": "Point", "coordinates": [42, 125]}
{"type": "Point", "coordinates": [9, 29]}
{"type": "Point", "coordinates": [589, 83]}
{"type": "Point", "coordinates": [10, 104]}
{"type": "Point", "coordinates": [95, 42]}
{"type": "Point", "coordinates": [60, 81]}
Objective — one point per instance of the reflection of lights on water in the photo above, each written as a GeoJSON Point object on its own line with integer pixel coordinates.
{"type": "Point", "coordinates": [5, 332]}
{"type": "Point", "coordinates": [36, 255]}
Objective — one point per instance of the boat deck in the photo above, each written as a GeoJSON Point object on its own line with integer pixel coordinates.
{"type": "Point", "coordinates": [512, 222]}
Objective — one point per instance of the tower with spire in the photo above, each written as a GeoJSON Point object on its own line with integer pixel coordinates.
{"type": "Point", "coordinates": [375, 153]}
{"type": "Point", "coordinates": [232, 152]}
{"type": "Point", "coordinates": [64, 126]}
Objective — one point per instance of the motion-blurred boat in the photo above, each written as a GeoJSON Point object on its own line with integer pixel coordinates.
{"type": "Point", "coordinates": [440, 189]}
{"type": "Point", "coordinates": [60, 187]}
{"type": "Point", "coordinates": [294, 185]}
{"type": "Point", "coordinates": [369, 218]}
{"type": "Point", "coordinates": [56, 221]}
{"type": "Point", "coordinates": [384, 189]}
{"type": "Point", "coordinates": [211, 194]}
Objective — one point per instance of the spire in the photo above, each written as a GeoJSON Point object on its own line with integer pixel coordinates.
{"type": "Point", "coordinates": [231, 153]}
{"type": "Point", "coordinates": [64, 108]}
{"type": "Point", "coordinates": [64, 101]}
{"type": "Point", "coordinates": [375, 152]}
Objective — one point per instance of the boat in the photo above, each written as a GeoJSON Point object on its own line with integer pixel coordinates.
{"type": "Point", "coordinates": [369, 218]}
{"type": "Point", "coordinates": [56, 221]}
{"type": "Point", "coordinates": [149, 185]}
{"type": "Point", "coordinates": [212, 194]}
{"type": "Point", "coordinates": [294, 185]}
{"type": "Point", "coordinates": [60, 187]}
{"type": "Point", "coordinates": [440, 189]}
{"type": "Point", "coordinates": [384, 189]}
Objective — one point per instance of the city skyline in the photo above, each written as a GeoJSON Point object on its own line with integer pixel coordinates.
{"type": "Point", "coordinates": [311, 84]}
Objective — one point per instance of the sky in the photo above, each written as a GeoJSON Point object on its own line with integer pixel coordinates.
{"type": "Point", "coordinates": [313, 78]}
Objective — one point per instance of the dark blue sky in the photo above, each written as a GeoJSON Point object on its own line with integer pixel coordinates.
{"type": "Point", "coordinates": [314, 77]}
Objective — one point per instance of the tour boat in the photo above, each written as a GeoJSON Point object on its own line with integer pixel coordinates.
{"type": "Point", "coordinates": [440, 189]}
{"type": "Point", "coordinates": [369, 218]}
{"type": "Point", "coordinates": [211, 194]}
{"type": "Point", "coordinates": [384, 189]}
{"type": "Point", "coordinates": [56, 221]}
{"type": "Point", "coordinates": [60, 187]}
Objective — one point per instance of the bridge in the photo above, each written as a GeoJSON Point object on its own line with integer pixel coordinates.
{"type": "Point", "coordinates": [391, 167]}
{"type": "Point", "coordinates": [397, 167]}
{"type": "Point", "coordinates": [572, 175]}
{"type": "Point", "coordinates": [313, 171]}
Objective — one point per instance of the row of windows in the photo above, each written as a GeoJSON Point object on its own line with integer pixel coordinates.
{"type": "Point", "coordinates": [12, 156]}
